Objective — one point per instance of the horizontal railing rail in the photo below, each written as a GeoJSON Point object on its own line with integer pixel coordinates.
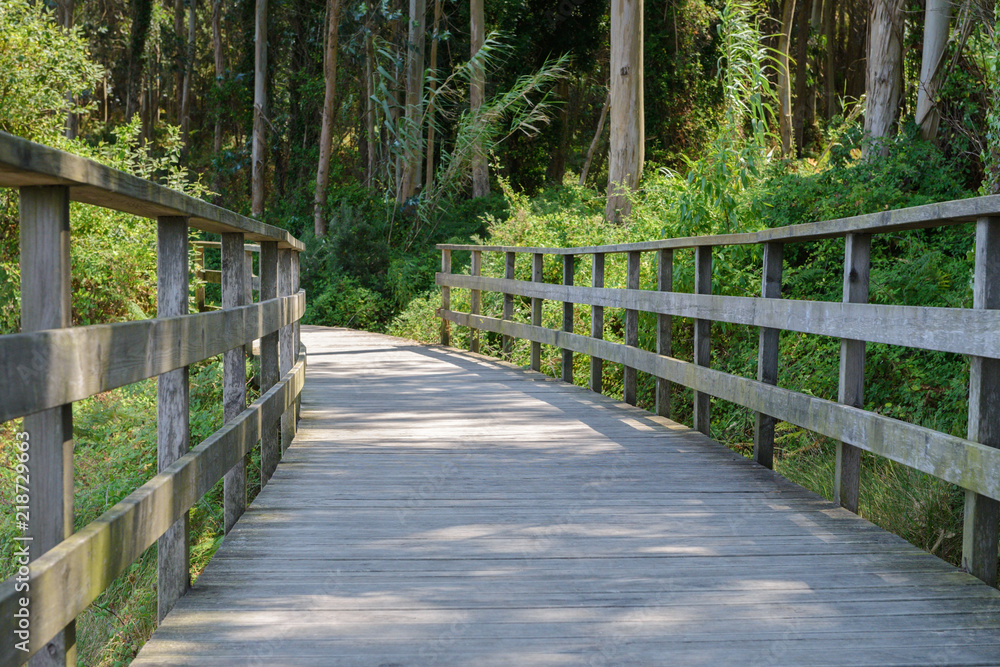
{"type": "Point", "coordinates": [972, 463]}
{"type": "Point", "coordinates": [51, 364]}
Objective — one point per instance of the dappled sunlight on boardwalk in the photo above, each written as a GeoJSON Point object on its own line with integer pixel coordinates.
{"type": "Point", "coordinates": [440, 508]}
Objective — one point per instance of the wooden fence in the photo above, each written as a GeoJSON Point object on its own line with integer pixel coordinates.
{"type": "Point", "coordinates": [972, 463]}
{"type": "Point", "coordinates": [51, 364]}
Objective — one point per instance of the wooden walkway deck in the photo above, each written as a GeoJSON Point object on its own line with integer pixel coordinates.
{"type": "Point", "coordinates": [439, 508]}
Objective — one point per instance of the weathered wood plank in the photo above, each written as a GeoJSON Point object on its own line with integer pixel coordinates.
{"type": "Point", "coordinates": [958, 330]}
{"type": "Point", "coordinates": [59, 366]}
{"type": "Point", "coordinates": [767, 356]}
{"type": "Point", "coordinates": [234, 375]}
{"type": "Point", "coordinates": [445, 297]}
{"type": "Point", "coordinates": [664, 283]}
{"type": "Point", "coordinates": [968, 464]}
{"type": "Point", "coordinates": [270, 443]}
{"type": "Point", "coordinates": [537, 275]}
{"type": "Point", "coordinates": [597, 326]}
{"type": "Point", "coordinates": [69, 577]}
{"type": "Point", "coordinates": [286, 342]}
{"type": "Point", "coordinates": [173, 435]}
{"type": "Point", "coordinates": [507, 342]}
{"type": "Point", "coordinates": [45, 304]}
{"type": "Point", "coordinates": [702, 337]}
{"type": "Point", "coordinates": [632, 267]}
{"type": "Point", "coordinates": [982, 514]}
{"type": "Point", "coordinates": [475, 298]}
{"type": "Point", "coordinates": [569, 265]}
{"type": "Point", "coordinates": [23, 162]}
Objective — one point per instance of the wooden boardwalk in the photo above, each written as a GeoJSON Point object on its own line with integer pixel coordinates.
{"type": "Point", "coordinates": [439, 508]}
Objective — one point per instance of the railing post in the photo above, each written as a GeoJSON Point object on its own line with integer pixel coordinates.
{"type": "Point", "coordinates": [199, 274]}
{"type": "Point", "coordinates": [537, 276]}
{"type": "Point", "coordinates": [248, 292]}
{"type": "Point", "coordinates": [597, 326]}
{"type": "Point", "coordinates": [445, 298]}
{"type": "Point", "coordinates": [296, 338]}
{"type": "Point", "coordinates": [286, 344]}
{"type": "Point", "coordinates": [173, 436]}
{"type": "Point", "coordinates": [767, 355]}
{"type": "Point", "coordinates": [567, 323]}
{"type": "Point", "coordinates": [857, 266]}
{"type": "Point", "coordinates": [270, 450]}
{"type": "Point", "coordinates": [508, 303]}
{"type": "Point", "coordinates": [475, 298]}
{"type": "Point", "coordinates": [631, 327]}
{"type": "Point", "coordinates": [45, 304]}
{"type": "Point", "coordinates": [982, 514]}
{"type": "Point", "coordinates": [234, 375]}
{"type": "Point", "coordinates": [664, 283]}
{"type": "Point", "coordinates": [703, 337]}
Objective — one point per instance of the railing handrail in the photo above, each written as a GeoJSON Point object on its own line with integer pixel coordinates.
{"type": "Point", "coordinates": [942, 214]}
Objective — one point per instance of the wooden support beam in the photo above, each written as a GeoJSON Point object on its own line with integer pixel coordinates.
{"type": "Point", "coordinates": [702, 337]}
{"type": "Point", "coordinates": [508, 302]}
{"type": "Point", "coordinates": [270, 444]}
{"type": "Point", "coordinates": [296, 337]}
{"type": "Point", "coordinates": [537, 264]}
{"type": "Point", "coordinates": [982, 514]}
{"type": "Point", "coordinates": [445, 298]}
{"type": "Point", "coordinates": [234, 375]}
{"type": "Point", "coordinates": [631, 327]}
{"type": "Point", "coordinates": [173, 435]}
{"type": "Point", "coordinates": [199, 274]}
{"type": "Point", "coordinates": [475, 299]}
{"type": "Point", "coordinates": [286, 343]}
{"type": "Point", "coordinates": [567, 323]}
{"type": "Point", "coordinates": [597, 326]}
{"type": "Point", "coordinates": [857, 266]}
{"type": "Point", "coordinates": [767, 355]}
{"type": "Point", "coordinates": [45, 304]}
{"type": "Point", "coordinates": [664, 283]}
{"type": "Point", "coordinates": [248, 291]}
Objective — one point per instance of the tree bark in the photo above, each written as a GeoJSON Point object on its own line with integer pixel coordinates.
{"type": "Point", "coordinates": [801, 75]}
{"type": "Point", "coordinates": [179, 61]}
{"type": "Point", "coordinates": [830, 107]}
{"type": "Point", "coordinates": [65, 11]}
{"type": "Point", "coordinates": [259, 107]}
{"type": "Point", "coordinates": [784, 78]}
{"type": "Point", "coordinates": [220, 72]}
{"type": "Point", "coordinates": [142, 11]}
{"type": "Point", "coordinates": [596, 140]}
{"type": "Point", "coordinates": [370, 109]}
{"type": "Point", "coordinates": [429, 170]}
{"type": "Point", "coordinates": [329, 110]}
{"type": "Point", "coordinates": [413, 134]}
{"type": "Point", "coordinates": [557, 167]}
{"type": "Point", "coordinates": [937, 20]}
{"type": "Point", "coordinates": [480, 169]}
{"type": "Point", "coordinates": [885, 68]}
{"type": "Point", "coordinates": [188, 70]}
{"type": "Point", "coordinates": [627, 150]}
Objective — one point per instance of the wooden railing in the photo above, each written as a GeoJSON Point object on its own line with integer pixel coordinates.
{"type": "Point", "coordinates": [972, 463]}
{"type": "Point", "coordinates": [51, 364]}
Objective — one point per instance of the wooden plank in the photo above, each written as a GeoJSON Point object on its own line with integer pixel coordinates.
{"type": "Point", "coordinates": [59, 366]}
{"type": "Point", "coordinates": [46, 289]}
{"type": "Point", "coordinates": [173, 433]}
{"type": "Point", "coordinates": [982, 514]}
{"type": "Point", "coordinates": [857, 266]}
{"type": "Point", "coordinates": [631, 327]}
{"type": "Point", "coordinates": [597, 326]}
{"type": "Point", "coordinates": [664, 323]}
{"type": "Point", "coordinates": [917, 217]}
{"type": "Point", "coordinates": [72, 575]}
{"type": "Point", "coordinates": [286, 349]}
{"type": "Point", "coordinates": [958, 330]}
{"type": "Point", "coordinates": [537, 265]}
{"type": "Point", "coordinates": [23, 162]}
{"type": "Point", "coordinates": [702, 337]}
{"type": "Point", "coordinates": [234, 375]}
{"type": "Point", "coordinates": [475, 298]}
{"type": "Point", "coordinates": [567, 322]}
{"type": "Point", "coordinates": [965, 463]}
{"type": "Point", "coordinates": [270, 443]}
{"type": "Point", "coordinates": [767, 356]}
{"type": "Point", "coordinates": [507, 342]}
{"type": "Point", "coordinates": [445, 297]}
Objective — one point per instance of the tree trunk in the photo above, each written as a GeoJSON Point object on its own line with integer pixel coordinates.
{"type": "Point", "coordinates": [220, 72]}
{"type": "Point", "coordinates": [784, 78]}
{"type": "Point", "coordinates": [937, 18]}
{"type": "Point", "coordinates": [259, 107]}
{"type": "Point", "coordinates": [429, 170]}
{"type": "Point", "coordinates": [885, 68]}
{"type": "Point", "coordinates": [65, 11]}
{"type": "Point", "coordinates": [627, 150]}
{"type": "Point", "coordinates": [413, 131]}
{"type": "Point", "coordinates": [370, 109]}
{"type": "Point", "coordinates": [142, 11]}
{"type": "Point", "coordinates": [801, 75]}
{"type": "Point", "coordinates": [329, 97]}
{"type": "Point", "coordinates": [188, 70]}
{"type": "Point", "coordinates": [830, 107]}
{"type": "Point", "coordinates": [557, 166]}
{"type": "Point", "coordinates": [179, 62]}
{"type": "Point", "coordinates": [596, 141]}
{"type": "Point", "coordinates": [480, 169]}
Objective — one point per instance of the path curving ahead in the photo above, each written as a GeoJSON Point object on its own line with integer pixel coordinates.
{"type": "Point", "coordinates": [441, 508]}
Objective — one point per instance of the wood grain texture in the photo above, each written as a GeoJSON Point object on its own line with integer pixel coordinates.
{"type": "Point", "coordinates": [286, 342]}
{"type": "Point", "coordinates": [702, 337]}
{"type": "Point", "coordinates": [569, 265]}
{"type": "Point", "coordinates": [445, 297]}
{"type": "Point", "coordinates": [767, 355]}
{"type": "Point", "coordinates": [632, 266]}
{"type": "Point", "coordinates": [664, 283]}
{"type": "Point", "coordinates": [270, 443]}
{"type": "Point", "coordinates": [442, 508]}
{"type": "Point", "coordinates": [173, 434]}
{"type": "Point", "coordinates": [46, 289]}
{"type": "Point", "coordinates": [72, 575]}
{"type": "Point", "coordinates": [234, 374]}
{"type": "Point", "coordinates": [510, 260]}
{"type": "Point", "coordinates": [965, 463]}
{"type": "Point", "coordinates": [597, 325]}
{"type": "Point", "coordinates": [537, 275]}
{"type": "Point", "coordinates": [23, 162]}
{"type": "Point", "coordinates": [475, 298]}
